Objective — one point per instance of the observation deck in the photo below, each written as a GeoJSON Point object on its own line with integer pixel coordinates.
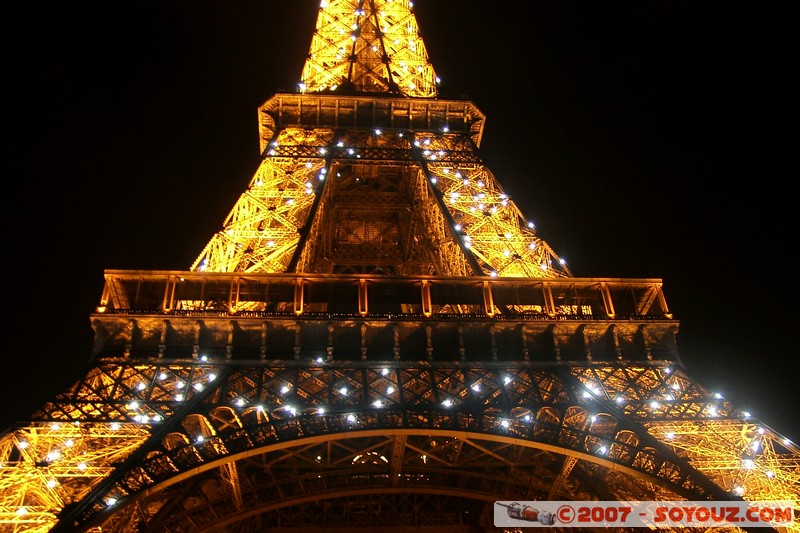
{"type": "Point", "coordinates": [180, 314]}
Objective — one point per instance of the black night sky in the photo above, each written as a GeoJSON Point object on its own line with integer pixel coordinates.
{"type": "Point", "coordinates": [645, 139]}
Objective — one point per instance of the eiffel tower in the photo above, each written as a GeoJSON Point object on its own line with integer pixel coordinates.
{"type": "Point", "coordinates": [375, 340]}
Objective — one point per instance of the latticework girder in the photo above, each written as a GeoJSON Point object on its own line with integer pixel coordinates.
{"type": "Point", "coordinates": [747, 457]}
{"type": "Point", "coordinates": [327, 430]}
{"type": "Point", "coordinates": [398, 201]}
{"type": "Point", "coordinates": [376, 338]}
{"type": "Point", "coordinates": [45, 466]}
{"type": "Point", "coordinates": [371, 46]}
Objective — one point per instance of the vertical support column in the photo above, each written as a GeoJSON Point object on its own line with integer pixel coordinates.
{"type": "Point", "coordinates": [556, 346]}
{"type": "Point", "coordinates": [233, 295]}
{"type": "Point", "coordinates": [162, 341]}
{"type": "Point", "coordinates": [131, 331]}
{"type": "Point", "coordinates": [549, 304]}
{"type": "Point", "coordinates": [330, 341]}
{"type": "Point", "coordinates": [525, 349]}
{"type": "Point", "coordinates": [169, 295]}
{"type": "Point", "coordinates": [263, 349]}
{"type": "Point", "coordinates": [587, 349]}
{"type": "Point", "coordinates": [429, 342]}
{"type": "Point", "coordinates": [663, 303]}
{"type": "Point", "coordinates": [298, 296]}
{"type": "Point", "coordinates": [363, 341]}
{"type": "Point", "coordinates": [363, 304]}
{"type": "Point", "coordinates": [229, 345]}
{"type": "Point", "coordinates": [607, 302]}
{"type": "Point", "coordinates": [396, 336]}
{"type": "Point", "coordinates": [461, 350]}
{"type": "Point", "coordinates": [427, 308]}
{"type": "Point", "coordinates": [104, 296]}
{"type": "Point", "coordinates": [196, 340]}
{"type": "Point", "coordinates": [488, 299]}
{"type": "Point", "coordinates": [615, 337]}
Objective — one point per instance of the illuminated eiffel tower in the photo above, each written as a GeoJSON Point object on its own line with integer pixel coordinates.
{"type": "Point", "coordinates": [376, 340]}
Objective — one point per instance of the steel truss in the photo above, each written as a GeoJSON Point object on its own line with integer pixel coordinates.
{"type": "Point", "coordinates": [376, 338]}
{"type": "Point", "coordinates": [220, 442]}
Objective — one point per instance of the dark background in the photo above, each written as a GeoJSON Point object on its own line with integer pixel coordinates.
{"type": "Point", "coordinates": [645, 139]}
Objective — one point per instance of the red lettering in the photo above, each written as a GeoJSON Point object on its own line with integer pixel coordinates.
{"type": "Point", "coordinates": [783, 515]}
{"type": "Point", "coordinates": [660, 515]}
{"type": "Point", "coordinates": [675, 514]}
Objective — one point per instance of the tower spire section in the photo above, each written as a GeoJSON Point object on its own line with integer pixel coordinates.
{"type": "Point", "coordinates": [368, 46]}
{"type": "Point", "coordinates": [366, 171]}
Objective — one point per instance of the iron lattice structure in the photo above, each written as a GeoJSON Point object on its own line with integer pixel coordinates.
{"type": "Point", "coordinates": [376, 338]}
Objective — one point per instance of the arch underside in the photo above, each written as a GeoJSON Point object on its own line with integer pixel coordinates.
{"type": "Point", "coordinates": [397, 479]}
{"type": "Point", "coordinates": [263, 443]}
